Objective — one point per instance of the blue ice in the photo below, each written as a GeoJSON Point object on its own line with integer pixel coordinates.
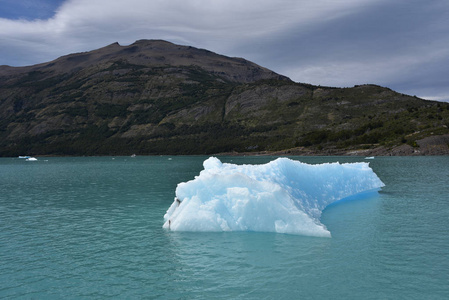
{"type": "Point", "coordinates": [284, 196]}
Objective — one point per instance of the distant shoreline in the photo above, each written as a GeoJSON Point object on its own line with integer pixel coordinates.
{"type": "Point", "coordinates": [431, 146]}
{"type": "Point", "coordinates": [437, 145]}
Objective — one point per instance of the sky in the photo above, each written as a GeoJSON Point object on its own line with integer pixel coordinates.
{"type": "Point", "coordinates": [399, 44]}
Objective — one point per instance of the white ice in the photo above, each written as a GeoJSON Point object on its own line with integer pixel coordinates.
{"type": "Point", "coordinates": [284, 196]}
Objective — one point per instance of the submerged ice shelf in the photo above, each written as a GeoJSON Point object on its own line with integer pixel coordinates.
{"type": "Point", "coordinates": [284, 196]}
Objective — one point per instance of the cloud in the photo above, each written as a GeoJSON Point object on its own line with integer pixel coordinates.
{"type": "Point", "coordinates": [219, 24]}
{"type": "Point", "coordinates": [339, 42]}
{"type": "Point", "coordinates": [402, 46]}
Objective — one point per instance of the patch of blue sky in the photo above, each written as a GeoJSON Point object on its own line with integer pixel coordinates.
{"type": "Point", "coordinates": [29, 9]}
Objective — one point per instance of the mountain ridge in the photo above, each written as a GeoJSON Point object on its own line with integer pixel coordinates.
{"type": "Point", "coordinates": [155, 97]}
{"type": "Point", "coordinates": [154, 52]}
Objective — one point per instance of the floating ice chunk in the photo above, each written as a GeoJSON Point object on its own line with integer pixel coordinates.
{"type": "Point", "coordinates": [283, 196]}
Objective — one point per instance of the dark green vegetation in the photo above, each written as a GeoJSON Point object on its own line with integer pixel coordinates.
{"type": "Point", "coordinates": [154, 97]}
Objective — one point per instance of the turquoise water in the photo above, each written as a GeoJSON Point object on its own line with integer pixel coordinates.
{"type": "Point", "coordinates": [91, 228]}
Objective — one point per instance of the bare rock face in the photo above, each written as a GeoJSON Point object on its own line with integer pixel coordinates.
{"type": "Point", "coordinates": [153, 53]}
{"type": "Point", "coordinates": [434, 145]}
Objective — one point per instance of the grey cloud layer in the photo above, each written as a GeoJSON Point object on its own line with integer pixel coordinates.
{"type": "Point", "coordinates": [400, 44]}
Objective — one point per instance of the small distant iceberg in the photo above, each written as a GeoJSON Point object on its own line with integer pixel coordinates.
{"type": "Point", "coordinates": [28, 158]}
{"type": "Point", "coordinates": [284, 196]}
{"type": "Point", "coordinates": [369, 157]}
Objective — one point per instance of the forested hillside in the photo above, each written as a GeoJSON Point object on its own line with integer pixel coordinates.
{"type": "Point", "coordinates": [154, 97]}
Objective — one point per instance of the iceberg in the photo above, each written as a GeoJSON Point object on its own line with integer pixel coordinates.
{"type": "Point", "coordinates": [284, 196]}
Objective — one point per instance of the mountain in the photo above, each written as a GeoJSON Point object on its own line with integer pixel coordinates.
{"type": "Point", "coordinates": [155, 97]}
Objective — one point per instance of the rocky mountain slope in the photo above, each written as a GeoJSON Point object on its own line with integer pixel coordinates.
{"type": "Point", "coordinates": [154, 97]}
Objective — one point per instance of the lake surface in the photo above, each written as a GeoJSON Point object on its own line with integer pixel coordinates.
{"type": "Point", "coordinates": [91, 228]}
